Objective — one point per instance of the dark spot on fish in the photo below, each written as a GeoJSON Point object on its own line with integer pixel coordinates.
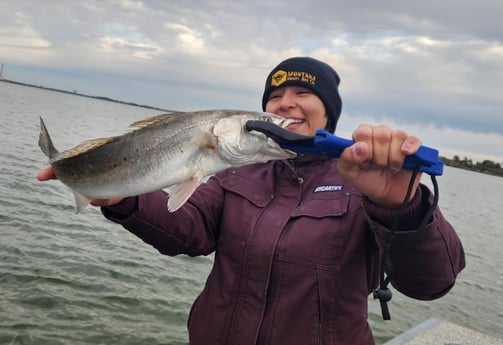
{"type": "Point", "coordinates": [124, 159]}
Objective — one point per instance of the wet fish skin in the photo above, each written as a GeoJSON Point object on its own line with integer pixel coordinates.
{"type": "Point", "coordinates": [174, 151]}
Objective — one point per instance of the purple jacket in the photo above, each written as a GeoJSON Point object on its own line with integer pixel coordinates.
{"type": "Point", "coordinates": [297, 252]}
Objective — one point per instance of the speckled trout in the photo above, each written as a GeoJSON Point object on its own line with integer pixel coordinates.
{"type": "Point", "coordinates": [174, 151]}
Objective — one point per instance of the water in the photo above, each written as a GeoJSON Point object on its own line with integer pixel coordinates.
{"type": "Point", "coordinates": [80, 279]}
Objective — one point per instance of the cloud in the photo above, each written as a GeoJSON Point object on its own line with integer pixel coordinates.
{"type": "Point", "coordinates": [18, 34]}
{"type": "Point", "coordinates": [188, 41]}
{"type": "Point", "coordinates": [132, 5]}
{"type": "Point", "coordinates": [126, 41]}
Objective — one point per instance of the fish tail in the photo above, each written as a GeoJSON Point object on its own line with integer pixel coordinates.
{"type": "Point", "coordinates": [45, 142]}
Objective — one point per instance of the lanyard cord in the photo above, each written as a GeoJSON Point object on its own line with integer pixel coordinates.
{"type": "Point", "coordinates": [383, 293]}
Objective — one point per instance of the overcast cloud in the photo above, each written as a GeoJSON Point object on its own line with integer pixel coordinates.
{"type": "Point", "coordinates": [434, 68]}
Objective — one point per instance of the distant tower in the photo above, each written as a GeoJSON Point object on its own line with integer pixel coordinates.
{"type": "Point", "coordinates": [1, 72]}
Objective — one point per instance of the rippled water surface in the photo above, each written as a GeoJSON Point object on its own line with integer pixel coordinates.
{"type": "Point", "coordinates": [79, 279]}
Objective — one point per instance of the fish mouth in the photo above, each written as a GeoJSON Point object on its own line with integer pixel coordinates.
{"type": "Point", "coordinates": [287, 122]}
{"type": "Point", "coordinates": [290, 121]}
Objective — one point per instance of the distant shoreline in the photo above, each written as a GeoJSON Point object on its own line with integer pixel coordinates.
{"type": "Point", "coordinates": [487, 167]}
{"type": "Point", "coordinates": [75, 93]}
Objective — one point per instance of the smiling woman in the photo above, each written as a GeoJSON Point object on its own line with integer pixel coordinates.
{"type": "Point", "coordinates": [274, 282]}
{"type": "Point", "coordinates": [430, 69]}
{"type": "Point", "coordinates": [295, 92]}
{"type": "Point", "coordinates": [304, 101]}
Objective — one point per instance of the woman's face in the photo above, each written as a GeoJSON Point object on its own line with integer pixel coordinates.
{"type": "Point", "coordinates": [300, 104]}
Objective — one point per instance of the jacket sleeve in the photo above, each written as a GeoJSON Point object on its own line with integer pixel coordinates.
{"type": "Point", "coordinates": [423, 263]}
{"type": "Point", "coordinates": [191, 230]}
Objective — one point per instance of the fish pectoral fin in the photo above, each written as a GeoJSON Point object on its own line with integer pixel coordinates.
{"type": "Point", "coordinates": [180, 193]}
{"type": "Point", "coordinates": [206, 140]}
{"type": "Point", "coordinates": [80, 202]}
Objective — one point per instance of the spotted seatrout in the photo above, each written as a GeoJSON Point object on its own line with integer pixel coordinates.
{"type": "Point", "coordinates": [173, 151]}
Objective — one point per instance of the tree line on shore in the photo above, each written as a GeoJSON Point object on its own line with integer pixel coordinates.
{"type": "Point", "coordinates": [485, 167]}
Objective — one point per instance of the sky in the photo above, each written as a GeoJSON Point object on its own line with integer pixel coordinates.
{"type": "Point", "coordinates": [432, 68]}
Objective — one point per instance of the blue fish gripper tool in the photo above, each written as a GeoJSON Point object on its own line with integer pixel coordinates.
{"type": "Point", "coordinates": [426, 159]}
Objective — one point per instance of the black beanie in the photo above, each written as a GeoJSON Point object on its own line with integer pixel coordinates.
{"type": "Point", "coordinates": [310, 73]}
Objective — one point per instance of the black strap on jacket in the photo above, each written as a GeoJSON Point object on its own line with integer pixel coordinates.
{"type": "Point", "coordinates": [383, 293]}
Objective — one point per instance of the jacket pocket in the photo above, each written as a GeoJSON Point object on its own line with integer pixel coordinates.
{"type": "Point", "coordinates": [245, 200]}
{"type": "Point", "coordinates": [256, 192]}
{"type": "Point", "coordinates": [323, 207]}
{"type": "Point", "coordinates": [316, 233]}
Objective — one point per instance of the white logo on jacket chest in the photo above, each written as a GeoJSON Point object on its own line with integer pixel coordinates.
{"type": "Point", "coordinates": [328, 188]}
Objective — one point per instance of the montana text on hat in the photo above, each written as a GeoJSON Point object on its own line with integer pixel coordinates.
{"type": "Point", "coordinates": [312, 74]}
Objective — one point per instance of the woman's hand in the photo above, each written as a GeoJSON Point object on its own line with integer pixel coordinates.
{"type": "Point", "coordinates": [373, 164]}
{"type": "Point", "coordinates": [47, 173]}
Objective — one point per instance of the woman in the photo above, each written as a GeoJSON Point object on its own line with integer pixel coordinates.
{"type": "Point", "coordinates": [298, 244]}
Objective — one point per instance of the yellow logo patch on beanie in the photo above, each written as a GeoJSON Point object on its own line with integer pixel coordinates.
{"type": "Point", "coordinates": [280, 76]}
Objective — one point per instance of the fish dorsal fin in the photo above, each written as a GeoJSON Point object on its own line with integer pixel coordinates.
{"type": "Point", "coordinates": [155, 119]}
{"type": "Point", "coordinates": [84, 147]}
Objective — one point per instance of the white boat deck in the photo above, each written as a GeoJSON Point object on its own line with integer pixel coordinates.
{"type": "Point", "coordinates": [440, 332]}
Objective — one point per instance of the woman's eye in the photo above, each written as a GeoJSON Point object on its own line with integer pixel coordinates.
{"type": "Point", "coordinates": [304, 92]}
